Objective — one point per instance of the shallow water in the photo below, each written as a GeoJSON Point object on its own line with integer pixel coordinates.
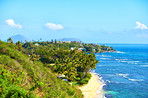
{"type": "Point", "coordinates": [125, 72]}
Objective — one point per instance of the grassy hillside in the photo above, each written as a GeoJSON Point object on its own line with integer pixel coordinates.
{"type": "Point", "coordinates": [21, 77]}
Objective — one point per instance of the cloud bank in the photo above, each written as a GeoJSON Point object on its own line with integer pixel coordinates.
{"type": "Point", "coordinates": [11, 23]}
{"type": "Point", "coordinates": [53, 26]}
{"type": "Point", "coordinates": [140, 26]}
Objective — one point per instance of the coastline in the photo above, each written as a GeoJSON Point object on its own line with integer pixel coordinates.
{"type": "Point", "coordinates": [93, 89]}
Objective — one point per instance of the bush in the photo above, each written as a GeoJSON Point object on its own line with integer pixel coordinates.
{"type": "Point", "coordinates": [83, 82]}
{"type": "Point", "coordinates": [86, 79]}
{"type": "Point", "coordinates": [77, 79]}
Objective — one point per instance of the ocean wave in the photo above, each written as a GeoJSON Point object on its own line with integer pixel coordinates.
{"type": "Point", "coordinates": [123, 75]}
{"type": "Point", "coordinates": [144, 65]}
{"type": "Point", "coordinates": [96, 73]}
{"type": "Point", "coordinates": [130, 62]}
{"type": "Point", "coordinates": [99, 78]}
{"type": "Point", "coordinates": [105, 58]}
{"type": "Point", "coordinates": [119, 52]}
{"type": "Point", "coordinates": [112, 69]}
{"type": "Point", "coordinates": [104, 55]}
{"type": "Point", "coordinates": [133, 61]}
{"type": "Point", "coordinates": [106, 65]}
{"type": "Point", "coordinates": [100, 89]}
{"type": "Point", "coordinates": [107, 81]}
{"type": "Point", "coordinates": [93, 71]}
{"type": "Point", "coordinates": [117, 82]}
{"type": "Point", "coordinates": [109, 75]}
{"type": "Point", "coordinates": [122, 59]}
{"type": "Point", "coordinates": [136, 79]}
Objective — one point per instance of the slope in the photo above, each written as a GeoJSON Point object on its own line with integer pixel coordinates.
{"type": "Point", "coordinates": [21, 77]}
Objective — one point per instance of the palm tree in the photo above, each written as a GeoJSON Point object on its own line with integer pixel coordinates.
{"type": "Point", "coordinates": [10, 40]}
{"type": "Point", "coordinates": [19, 45]}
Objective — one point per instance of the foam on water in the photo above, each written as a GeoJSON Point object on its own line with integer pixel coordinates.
{"type": "Point", "coordinates": [123, 75]}
{"type": "Point", "coordinates": [117, 82]}
{"type": "Point", "coordinates": [102, 83]}
{"type": "Point", "coordinates": [125, 71]}
{"type": "Point", "coordinates": [122, 59]}
{"type": "Point", "coordinates": [144, 65]}
{"type": "Point", "coordinates": [119, 52]}
{"type": "Point", "coordinates": [108, 81]}
{"type": "Point", "coordinates": [105, 58]}
{"type": "Point", "coordinates": [113, 69]}
{"type": "Point", "coordinates": [136, 79]}
{"type": "Point", "coordinates": [104, 55]}
{"type": "Point", "coordinates": [129, 62]}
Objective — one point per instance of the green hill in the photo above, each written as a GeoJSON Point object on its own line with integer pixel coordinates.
{"type": "Point", "coordinates": [21, 77]}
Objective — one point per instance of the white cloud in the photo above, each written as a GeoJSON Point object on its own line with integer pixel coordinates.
{"type": "Point", "coordinates": [11, 23]}
{"type": "Point", "coordinates": [140, 26]}
{"type": "Point", "coordinates": [53, 26]}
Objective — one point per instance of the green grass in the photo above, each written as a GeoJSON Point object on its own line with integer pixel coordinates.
{"type": "Point", "coordinates": [22, 78]}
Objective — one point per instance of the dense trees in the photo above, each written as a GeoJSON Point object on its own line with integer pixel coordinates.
{"type": "Point", "coordinates": [73, 64]}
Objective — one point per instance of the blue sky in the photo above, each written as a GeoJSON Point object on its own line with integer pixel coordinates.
{"type": "Point", "coordinates": [98, 21]}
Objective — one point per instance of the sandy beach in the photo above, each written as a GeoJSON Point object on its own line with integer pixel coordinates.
{"type": "Point", "coordinates": [93, 88]}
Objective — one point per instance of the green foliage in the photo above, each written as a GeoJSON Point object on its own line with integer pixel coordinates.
{"type": "Point", "coordinates": [71, 63]}
{"type": "Point", "coordinates": [21, 77]}
{"type": "Point", "coordinates": [85, 79]}
{"type": "Point", "coordinates": [10, 85]}
{"type": "Point", "coordinates": [27, 69]}
{"type": "Point", "coordinates": [10, 40]}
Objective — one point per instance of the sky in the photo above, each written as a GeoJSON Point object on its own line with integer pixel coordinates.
{"type": "Point", "coordinates": [92, 21]}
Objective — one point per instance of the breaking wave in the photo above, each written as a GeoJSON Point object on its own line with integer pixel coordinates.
{"type": "Point", "coordinates": [136, 79]}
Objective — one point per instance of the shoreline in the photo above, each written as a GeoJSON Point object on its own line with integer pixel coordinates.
{"type": "Point", "coordinates": [93, 89]}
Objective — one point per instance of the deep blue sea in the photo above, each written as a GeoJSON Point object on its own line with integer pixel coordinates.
{"type": "Point", "coordinates": [125, 72]}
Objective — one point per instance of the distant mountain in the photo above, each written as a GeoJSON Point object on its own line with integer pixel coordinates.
{"type": "Point", "coordinates": [69, 39]}
{"type": "Point", "coordinates": [17, 38]}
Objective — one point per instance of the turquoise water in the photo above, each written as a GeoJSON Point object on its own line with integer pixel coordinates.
{"type": "Point", "coordinates": [125, 72]}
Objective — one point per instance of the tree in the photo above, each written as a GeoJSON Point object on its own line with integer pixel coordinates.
{"type": "Point", "coordinates": [55, 41]}
{"type": "Point", "coordinates": [19, 45]}
{"type": "Point", "coordinates": [10, 40]}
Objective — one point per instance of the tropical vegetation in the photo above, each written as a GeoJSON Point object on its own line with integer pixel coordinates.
{"type": "Point", "coordinates": [33, 69]}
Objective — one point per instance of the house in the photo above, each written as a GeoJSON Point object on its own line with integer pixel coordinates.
{"type": "Point", "coordinates": [79, 49]}
{"type": "Point", "coordinates": [72, 48]}
{"type": "Point", "coordinates": [36, 44]}
{"type": "Point", "coordinates": [83, 49]}
{"type": "Point", "coordinates": [61, 76]}
{"type": "Point", "coordinates": [94, 50]}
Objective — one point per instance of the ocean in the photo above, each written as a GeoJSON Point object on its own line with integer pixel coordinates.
{"type": "Point", "coordinates": [124, 72]}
